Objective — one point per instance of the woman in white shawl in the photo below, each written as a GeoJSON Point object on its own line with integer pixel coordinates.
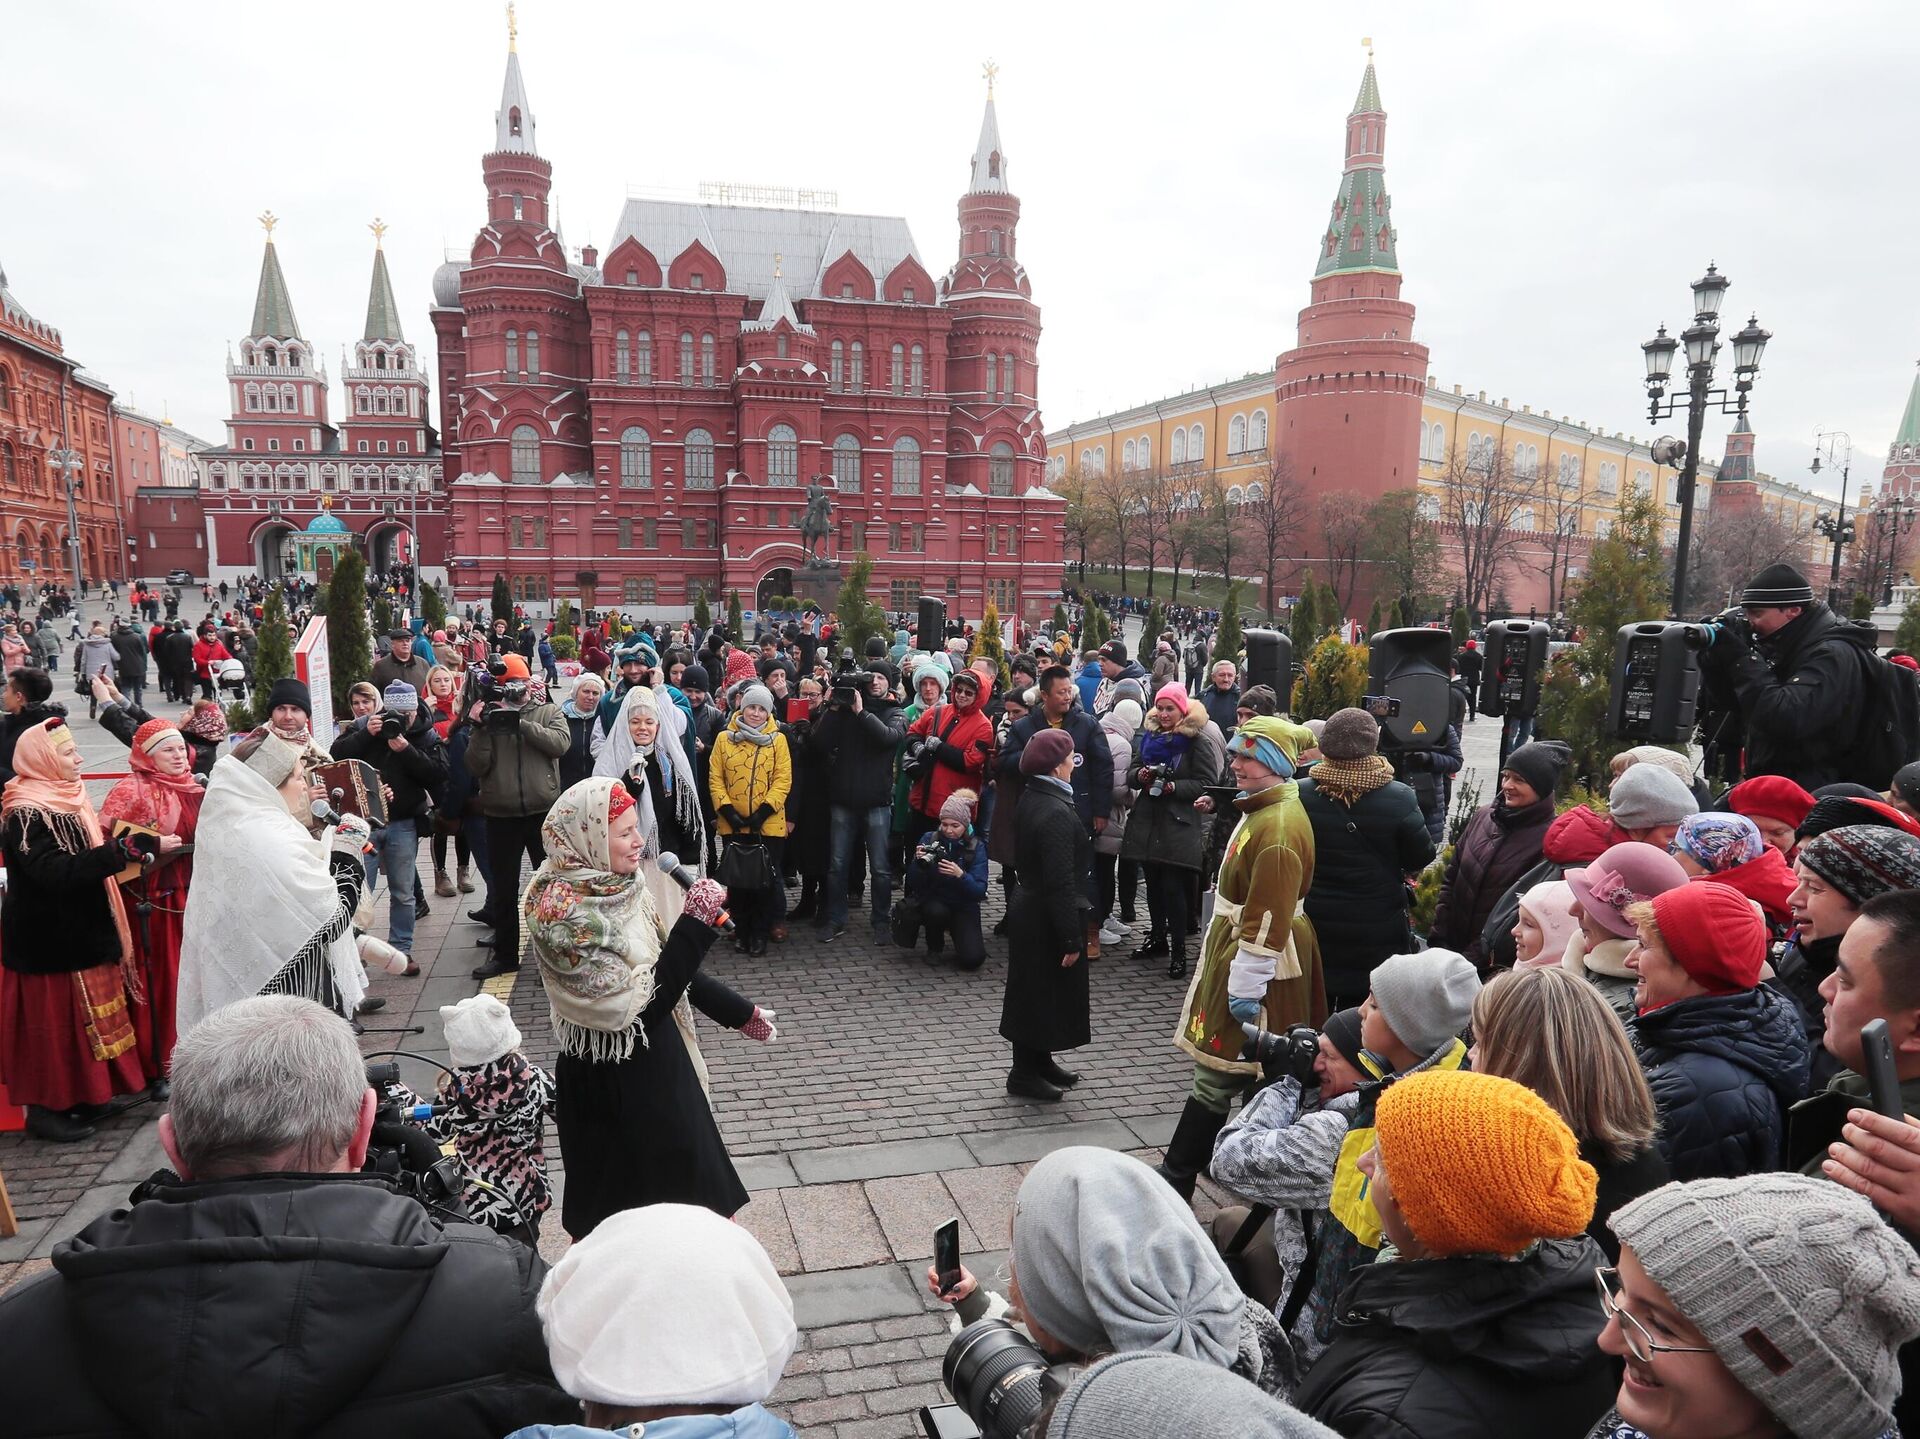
{"type": "Point", "coordinates": [645, 753]}
{"type": "Point", "coordinates": [632, 1114]}
{"type": "Point", "coordinates": [272, 910]}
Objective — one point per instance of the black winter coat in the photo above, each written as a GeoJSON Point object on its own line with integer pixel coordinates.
{"type": "Point", "coordinates": [1801, 694]}
{"type": "Point", "coordinates": [1465, 1348]}
{"type": "Point", "coordinates": [1621, 1182]}
{"type": "Point", "coordinates": [577, 763]}
{"type": "Point", "coordinates": [55, 918]}
{"type": "Point", "coordinates": [323, 1306]}
{"type": "Point", "coordinates": [1168, 829]}
{"type": "Point", "coordinates": [854, 753]}
{"type": "Point", "coordinates": [1496, 848]}
{"type": "Point", "coordinates": [131, 657]}
{"type": "Point", "coordinates": [413, 773]}
{"type": "Point", "coordinates": [1724, 1068]}
{"type": "Point", "coordinates": [1799, 969]}
{"type": "Point", "coordinates": [1092, 781]}
{"type": "Point", "coordinates": [1046, 1004]}
{"type": "Point", "coordinates": [1361, 854]}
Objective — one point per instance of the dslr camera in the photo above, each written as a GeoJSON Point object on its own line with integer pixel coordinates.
{"type": "Point", "coordinates": [1289, 1054]}
{"type": "Point", "coordinates": [1000, 1381]}
{"type": "Point", "coordinates": [1156, 779]}
{"type": "Point", "coordinates": [388, 725]}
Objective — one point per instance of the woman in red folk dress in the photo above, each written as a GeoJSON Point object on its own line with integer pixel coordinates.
{"type": "Point", "coordinates": [162, 794]}
{"type": "Point", "coordinates": [67, 1047]}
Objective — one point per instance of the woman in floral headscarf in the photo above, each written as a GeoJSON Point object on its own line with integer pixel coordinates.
{"type": "Point", "coordinates": [67, 1045]}
{"type": "Point", "coordinates": [632, 1114]}
{"type": "Point", "coordinates": [161, 794]}
{"type": "Point", "coordinates": [1717, 848]}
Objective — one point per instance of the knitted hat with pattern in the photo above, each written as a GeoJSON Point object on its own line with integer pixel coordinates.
{"type": "Point", "coordinates": [1863, 860]}
{"type": "Point", "coordinates": [1803, 1291]}
{"type": "Point", "coordinates": [1479, 1164]}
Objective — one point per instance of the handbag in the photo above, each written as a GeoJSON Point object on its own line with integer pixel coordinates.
{"type": "Point", "coordinates": [904, 921]}
{"type": "Point", "coordinates": [745, 867]}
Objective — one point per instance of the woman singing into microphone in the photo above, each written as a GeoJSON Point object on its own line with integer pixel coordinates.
{"type": "Point", "coordinates": [631, 1104]}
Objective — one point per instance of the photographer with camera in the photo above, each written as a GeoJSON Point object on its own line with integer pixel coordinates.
{"type": "Point", "coordinates": [1801, 679]}
{"type": "Point", "coordinates": [852, 745]}
{"type": "Point", "coordinates": [264, 1286]}
{"type": "Point", "coordinates": [519, 736]}
{"type": "Point", "coordinates": [400, 742]}
{"type": "Point", "coordinates": [946, 881]}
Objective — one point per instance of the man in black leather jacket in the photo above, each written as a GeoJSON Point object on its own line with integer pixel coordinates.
{"type": "Point", "coordinates": [264, 1286]}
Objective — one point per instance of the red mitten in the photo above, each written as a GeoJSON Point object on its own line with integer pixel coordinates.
{"type": "Point", "coordinates": [706, 901]}
{"type": "Point", "coordinates": [761, 1026]}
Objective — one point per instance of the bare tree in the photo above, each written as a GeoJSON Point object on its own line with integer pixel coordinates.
{"type": "Point", "coordinates": [1116, 507]}
{"type": "Point", "coordinates": [1153, 517]}
{"type": "Point", "coordinates": [1083, 522]}
{"type": "Point", "coordinates": [1179, 500]}
{"type": "Point", "coordinates": [1480, 498]}
{"type": "Point", "coordinates": [1732, 542]}
{"type": "Point", "coordinates": [1275, 514]}
{"type": "Point", "coordinates": [1344, 530]}
{"type": "Point", "coordinates": [1557, 510]}
{"type": "Point", "coordinates": [1216, 524]}
{"type": "Point", "coordinates": [1404, 546]}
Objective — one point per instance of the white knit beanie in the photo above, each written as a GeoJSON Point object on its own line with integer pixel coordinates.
{"type": "Point", "coordinates": [480, 1029]}
{"type": "Point", "coordinates": [669, 1304]}
{"type": "Point", "coordinates": [1803, 1290]}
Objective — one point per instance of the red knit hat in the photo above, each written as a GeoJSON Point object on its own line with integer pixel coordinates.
{"type": "Point", "coordinates": [1714, 933]}
{"type": "Point", "coordinates": [1772, 795]}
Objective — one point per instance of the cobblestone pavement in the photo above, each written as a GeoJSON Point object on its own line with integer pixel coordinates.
{"type": "Point", "coordinates": [879, 1113]}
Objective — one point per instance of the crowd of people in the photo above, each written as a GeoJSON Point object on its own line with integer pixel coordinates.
{"type": "Point", "coordinates": [1597, 1148]}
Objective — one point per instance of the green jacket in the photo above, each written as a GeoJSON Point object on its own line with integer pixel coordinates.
{"type": "Point", "coordinates": [519, 773]}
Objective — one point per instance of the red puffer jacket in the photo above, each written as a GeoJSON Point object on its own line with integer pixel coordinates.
{"type": "Point", "coordinates": [962, 741]}
{"type": "Point", "coordinates": [1580, 836]}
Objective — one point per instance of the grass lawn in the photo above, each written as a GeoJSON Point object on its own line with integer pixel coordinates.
{"type": "Point", "coordinates": [1208, 592]}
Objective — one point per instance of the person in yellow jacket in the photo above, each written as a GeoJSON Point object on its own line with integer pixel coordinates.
{"type": "Point", "coordinates": [1259, 962]}
{"type": "Point", "coordinates": [748, 775]}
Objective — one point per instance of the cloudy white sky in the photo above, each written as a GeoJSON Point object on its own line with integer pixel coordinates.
{"type": "Point", "coordinates": [1559, 173]}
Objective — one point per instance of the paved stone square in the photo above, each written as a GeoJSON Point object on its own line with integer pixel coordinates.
{"type": "Point", "coordinates": [879, 1113]}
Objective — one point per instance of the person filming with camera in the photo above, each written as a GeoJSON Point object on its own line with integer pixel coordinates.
{"type": "Point", "coordinates": [518, 738]}
{"type": "Point", "coordinates": [947, 880]}
{"type": "Point", "coordinates": [1800, 678]}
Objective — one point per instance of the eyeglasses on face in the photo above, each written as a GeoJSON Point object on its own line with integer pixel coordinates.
{"type": "Point", "coordinates": [1640, 1344]}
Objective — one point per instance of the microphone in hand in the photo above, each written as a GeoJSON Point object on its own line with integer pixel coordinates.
{"type": "Point", "coordinates": [705, 898]}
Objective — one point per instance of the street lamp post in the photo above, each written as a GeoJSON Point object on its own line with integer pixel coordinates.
{"type": "Point", "coordinates": [418, 480]}
{"type": "Point", "coordinates": [67, 461]}
{"type": "Point", "coordinates": [1702, 342]}
{"type": "Point", "coordinates": [1835, 527]}
{"type": "Point", "coordinates": [1890, 520]}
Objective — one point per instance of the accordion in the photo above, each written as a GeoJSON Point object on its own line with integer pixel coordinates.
{"type": "Point", "coordinates": [354, 787]}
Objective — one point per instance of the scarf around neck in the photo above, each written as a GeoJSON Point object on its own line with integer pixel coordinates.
{"type": "Point", "coordinates": [168, 802]}
{"type": "Point", "coordinates": [1347, 780]}
{"type": "Point", "coordinates": [739, 729]}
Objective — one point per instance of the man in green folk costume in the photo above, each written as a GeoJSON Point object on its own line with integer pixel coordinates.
{"type": "Point", "coordinates": [1260, 963]}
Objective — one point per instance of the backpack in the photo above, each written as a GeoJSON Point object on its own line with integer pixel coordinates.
{"type": "Point", "coordinates": [1889, 733]}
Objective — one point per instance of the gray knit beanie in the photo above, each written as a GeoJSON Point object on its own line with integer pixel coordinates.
{"type": "Point", "coordinates": [1425, 998]}
{"type": "Point", "coordinates": [1350, 734]}
{"type": "Point", "coordinates": [1150, 1393]}
{"type": "Point", "coordinates": [1109, 1257]}
{"type": "Point", "coordinates": [1647, 795]}
{"type": "Point", "coordinates": [1805, 1292]}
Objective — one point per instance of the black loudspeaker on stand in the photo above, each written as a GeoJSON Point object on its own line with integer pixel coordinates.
{"type": "Point", "coordinates": [1270, 663]}
{"type": "Point", "coordinates": [933, 622]}
{"type": "Point", "coordinates": [1656, 681]}
{"type": "Point", "coordinates": [1410, 666]}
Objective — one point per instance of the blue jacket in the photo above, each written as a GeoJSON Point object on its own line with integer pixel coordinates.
{"type": "Point", "coordinates": [926, 882]}
{"type": "Point", "coordinates": [1092, 779]}
{"type": "Point", "coordinates": [1723, 1068]}
{"type": "Point", "coordinates": [751, 1422]}
{"type": "Point", "coordinates": [1088, 681]}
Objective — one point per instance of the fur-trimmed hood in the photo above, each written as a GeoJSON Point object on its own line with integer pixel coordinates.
{"type": "Point", "coordinates": [1196, 720]}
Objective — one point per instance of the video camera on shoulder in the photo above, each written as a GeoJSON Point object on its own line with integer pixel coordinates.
{"type": "Point", "coordinates": [848, 680]}
{"type": "Point", "coordinates": [502, 689]}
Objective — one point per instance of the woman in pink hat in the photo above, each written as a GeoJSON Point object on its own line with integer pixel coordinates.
{"type": "Point", "coordinates": [1625, 873]}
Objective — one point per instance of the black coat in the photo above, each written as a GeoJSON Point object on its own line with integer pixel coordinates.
{"type": "Point", "coordinates": [56, 918]}
{"type": "Point", "coordinates": [577, 763]}
{"type": "Point", "coordinates": [853, 753]}
{"type": "Point", "coordinates": [1724, 1068]}
{"type": "Point", "coordinates": [1800, 967]}
{"type": "Point", "coordinates": [1801, 694]}
{"type": "Point", "coordinates": [1496, 848]}
{"type": "Point", "coordinates": [131, 661]}
{"type": "Point", "coordinates": [1092, 781]}
{"type": "Point", "coordinates": [174, 655]}
{"type": "Point", "coordinates": [1046, 1004]}
{"type": "Point", "coordinates": [1361, 855]}
{"type": "Point", "coordinates": [12, 726]}
{"type": "Point", "coordinates": [322, 1306]}
{"type": "Point", "coordinates": [639, 1130]}
{"type": "Point", "coordinates": [1465, 1348]}
{"type": "Point", "coordinates": [1621, 1182]}
{"type": "Point", "coordinates": [413, 773]}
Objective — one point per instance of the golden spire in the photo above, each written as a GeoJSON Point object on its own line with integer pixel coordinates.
{"type": "Point", "coordinates": [513, 29]}
{"type": "Point", "coordinates": [379, 228]}
{"type": "Point", "coordinates": [776, 265]}
{"type": "Point", "coordinates": [267, 221]}
{"type": "Point", "coordinates": [1367, 40]}
{"type": "Point", "coordinates": [989, 70]}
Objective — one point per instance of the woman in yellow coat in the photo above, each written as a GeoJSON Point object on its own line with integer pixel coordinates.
{"type": "Point", "coordinates": [748, 776]}
{"type": "Point", "coordinates": [1259, 963]}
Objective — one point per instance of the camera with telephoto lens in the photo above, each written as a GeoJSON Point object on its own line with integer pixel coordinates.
{"type": "Point", "coordinates": [917, 758]}
{"type": "Point", "coordinates": [999, 1380]}
{"type": "Point", "coordinates": [1290, 1053]}
{"type": "Point", "coordinates": [405, 1154]}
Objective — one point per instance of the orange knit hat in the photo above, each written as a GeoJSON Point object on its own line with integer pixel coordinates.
{"type": "Point", "coordinates": [1481, 1165]}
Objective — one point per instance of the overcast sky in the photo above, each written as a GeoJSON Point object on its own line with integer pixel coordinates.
{"type": "Point", "coordinates": [1559, 174]}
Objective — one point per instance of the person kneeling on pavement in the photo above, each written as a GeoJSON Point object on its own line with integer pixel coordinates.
{"type": "Point", "coordinates": [265, 1286]}
{"type": "Point", "coordinates": [1479, 1318]}
{"type": "Point", "coordinates": [1282, 1153]}
{"type": "Point", "coordinates": [1106, 1259]}
{"type": "Point", "coordinates": [946, 881]}
{"type": "Point", "coordinates": [671, 1320]}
